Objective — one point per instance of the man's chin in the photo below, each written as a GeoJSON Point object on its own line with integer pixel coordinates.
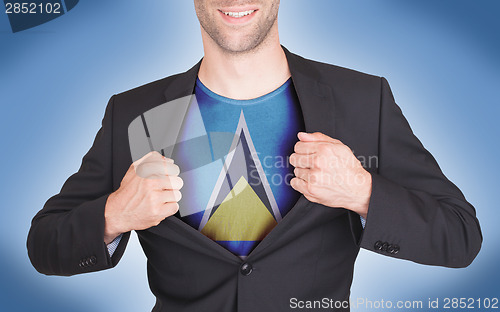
{"type": "Point", "coordinates": [239, 45]}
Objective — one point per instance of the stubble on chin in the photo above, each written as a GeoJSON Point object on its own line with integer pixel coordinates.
{"type": "Point", "coordinates": [244, 44]}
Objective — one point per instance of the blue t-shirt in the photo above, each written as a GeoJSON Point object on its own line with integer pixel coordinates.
{"type": "Point", "coordinates": [233, 158]}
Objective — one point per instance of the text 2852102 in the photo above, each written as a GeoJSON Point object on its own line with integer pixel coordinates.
{"type": "Point", "coordinates": [33, 8]}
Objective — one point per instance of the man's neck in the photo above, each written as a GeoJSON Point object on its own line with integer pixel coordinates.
{"type": "Point", "coordinates": [244, 76]}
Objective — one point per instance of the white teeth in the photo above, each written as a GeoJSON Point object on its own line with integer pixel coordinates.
{"type": "Point", "coordinates": [239, 14]}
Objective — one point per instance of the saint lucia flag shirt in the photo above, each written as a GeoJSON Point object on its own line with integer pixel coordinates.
{"type": "Point", "coordinates": [234, 163]}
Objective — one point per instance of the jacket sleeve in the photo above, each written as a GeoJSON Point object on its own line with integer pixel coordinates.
{"type": "Point", "coordinates": [67, 236]}
{"type": "Point", "coordinates": [415, 212]}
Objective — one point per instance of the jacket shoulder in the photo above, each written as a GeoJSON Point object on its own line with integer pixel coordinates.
{"type": "Point", "coordinates": [338, 75]}
{"type": "Point", "coordinates": [130, 104]}
{"type": "Point", "coordinates": [151, 90]}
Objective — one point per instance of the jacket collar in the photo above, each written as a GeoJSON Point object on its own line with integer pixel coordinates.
{"type": "Point", "coordinates": [315, 97]}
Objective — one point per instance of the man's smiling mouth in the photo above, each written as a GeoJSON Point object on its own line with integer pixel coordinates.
{"type": "Point", "coordinates": [239, 14]}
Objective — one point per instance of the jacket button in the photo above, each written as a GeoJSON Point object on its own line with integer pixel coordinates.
{"type": "Point", "coordinates": [384, 246]}
{"type": "Point", "coordinates": [378, 245]}
{"type": "Point", "coordinates": [83, 263]}
{"type": "Point", "coordinates": [396, 249]}
{"type": "Point", "coordinates": [390, 249]}
{"type": "Point", "coordinates": [246, 269]}
{"type": "Point", "coordinates": [93, 260]}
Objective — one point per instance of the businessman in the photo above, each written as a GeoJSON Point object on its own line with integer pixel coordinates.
{"type": "Point", "coordinates": [283, 212]}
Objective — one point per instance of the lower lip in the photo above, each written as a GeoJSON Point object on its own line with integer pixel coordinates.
{"type": "Point", "coordinates": [237, 20]}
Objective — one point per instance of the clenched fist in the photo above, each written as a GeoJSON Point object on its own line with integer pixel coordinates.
{"type": "Point", "coordinates": [148, 193]}
{"type": "Point", "coordinates": [328, 173]}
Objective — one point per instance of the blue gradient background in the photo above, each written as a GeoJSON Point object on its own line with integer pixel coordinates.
{"type": "Point", "coordinates": [440, 57]}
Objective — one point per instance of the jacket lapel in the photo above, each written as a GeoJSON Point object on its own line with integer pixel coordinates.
{"type": "Point", "coordinates": [183, 84]}
{"type": "Point", "coordinates": [316, 98]}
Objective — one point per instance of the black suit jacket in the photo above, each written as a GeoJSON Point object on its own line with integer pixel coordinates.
{"type": "Point", "coordinates": [415, 212]}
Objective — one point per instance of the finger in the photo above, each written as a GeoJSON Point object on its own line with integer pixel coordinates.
{"type": "Point", "coordinates": [302, 161]}
{"type": "Point", "coordinates": [172, 169]}
{"type": "Point", "coordinates": [152, 154]}
{"type": "Point", "coordinates": [302, 173]}
{"type": "Point", "coordinates": [134, 165]}
{"type": "Point", "coordinates": [157, 169]}
{"type": "Point", "coordinates": [301, 186]}
{"type": "Point", "coordinates": [316, 137]}
{"type": "Point", "coordinates": [157, 157]}
{"type": "Point", "coordinates": [311, 176]}
{"type": "Point", "coordinates": [171, 183]}
{"type": "Point", "coordinates": [132, 169]}
{"type": "Point", "coordinates": [170, 196]}
{"type": "Point", "coordinates": [171, 208]}
{"type": "Point", "coordinates": [298, 184]}
{"type": "Point", "coordinates": [302, 147]}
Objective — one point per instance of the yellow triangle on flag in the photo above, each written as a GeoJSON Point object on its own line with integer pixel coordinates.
{"type": "Point", "coordinates": [240, 217]}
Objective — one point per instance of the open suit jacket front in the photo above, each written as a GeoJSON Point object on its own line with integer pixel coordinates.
{"type": "Point", "coordinates": [415, 212]}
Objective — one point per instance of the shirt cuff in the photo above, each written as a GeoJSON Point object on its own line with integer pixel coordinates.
{"type": "Point", "coordinates": [112, 246]}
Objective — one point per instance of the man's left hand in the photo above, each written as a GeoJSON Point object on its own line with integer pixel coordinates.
{"type": "Point", "coordinates": [328, 173]}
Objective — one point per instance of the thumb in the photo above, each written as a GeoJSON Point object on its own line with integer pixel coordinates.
{"type": "Point", "coordinates": [143, 158]}
{"type": "Point", "coordinates": [316, 137]}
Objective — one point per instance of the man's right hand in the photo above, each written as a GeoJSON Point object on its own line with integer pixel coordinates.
{"type": "Point", "coordinates": [148, 193]}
